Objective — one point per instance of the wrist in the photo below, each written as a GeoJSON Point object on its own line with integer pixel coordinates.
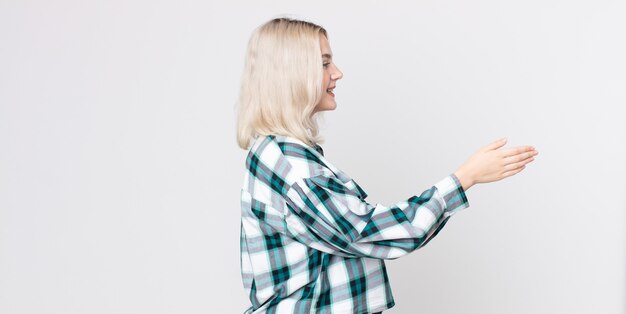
{"type": "Point", "coordinates": [465, 179]}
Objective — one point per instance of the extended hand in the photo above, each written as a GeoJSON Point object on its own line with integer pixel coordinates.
{"type": "Point", "coordinates": [490, 163]}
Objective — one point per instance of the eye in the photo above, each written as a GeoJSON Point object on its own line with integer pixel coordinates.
{"type": "Point", "coordinates": [326, 64]}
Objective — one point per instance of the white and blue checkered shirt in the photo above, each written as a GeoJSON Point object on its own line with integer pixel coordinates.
{"type": "Point", "coordinates": [310, 243]}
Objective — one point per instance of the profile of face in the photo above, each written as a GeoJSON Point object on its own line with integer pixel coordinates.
{"type": "Point", "coordinates": [331, 76]}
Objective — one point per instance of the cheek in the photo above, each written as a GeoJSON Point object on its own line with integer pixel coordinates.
{"type": "Point", "coordinates": [326, 80]}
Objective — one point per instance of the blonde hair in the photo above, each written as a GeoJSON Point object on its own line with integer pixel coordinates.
{"type": "Point", "coordinates": [281, 82]}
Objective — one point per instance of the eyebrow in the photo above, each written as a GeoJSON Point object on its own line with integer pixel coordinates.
{"type": "Point", "coordinates": [326, 55]}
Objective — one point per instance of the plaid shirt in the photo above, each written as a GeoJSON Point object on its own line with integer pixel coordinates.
{"type": "Point", "coordinates": [310, 243]}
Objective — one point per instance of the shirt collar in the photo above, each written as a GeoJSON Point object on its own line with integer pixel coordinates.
{"type": "Point", "coordinates": [290, 139]}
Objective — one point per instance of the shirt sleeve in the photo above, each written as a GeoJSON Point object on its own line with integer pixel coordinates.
{"type": "Point", "coordinates": [333, 216]}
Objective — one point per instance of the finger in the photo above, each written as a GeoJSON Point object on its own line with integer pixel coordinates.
{"type": "Point", "coordinates": [512, 172]}
{"type": "Point", "coordinates": [517, 150]}
{"type": "Point", "coordinates": [496, 144]}
{"type": "Point", "coordinates": [514, 166]}
{"type": "Point", "coordinates": [519, 157]}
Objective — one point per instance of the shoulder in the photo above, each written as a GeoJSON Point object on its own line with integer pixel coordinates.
{"type": "Point", "coordinates": [281, 162]}
{"type": "Point", "coordinates": [287, 157]}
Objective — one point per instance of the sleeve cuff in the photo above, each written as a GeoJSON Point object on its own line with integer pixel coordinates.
{"type": "Point", "coordinates": [452, 194]}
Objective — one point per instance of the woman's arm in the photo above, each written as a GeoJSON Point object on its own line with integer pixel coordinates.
{"type": "Point", "coordinates": [332, 216]}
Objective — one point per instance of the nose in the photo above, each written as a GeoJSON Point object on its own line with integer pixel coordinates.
{"type": "Point", "coordinates": [337, 74]}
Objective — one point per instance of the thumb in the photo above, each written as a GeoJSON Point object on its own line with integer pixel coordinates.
{"type": "Point", "coordinates": [496, 144]}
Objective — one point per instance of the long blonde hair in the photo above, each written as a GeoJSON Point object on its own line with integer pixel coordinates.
{"type": "Point", "coordinates": [281, 82]}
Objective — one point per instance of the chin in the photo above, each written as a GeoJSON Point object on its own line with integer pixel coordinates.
{"type": "Point", "coordinates": [326, 107]}
{"type": "Point", "coordinates": [330, 106]}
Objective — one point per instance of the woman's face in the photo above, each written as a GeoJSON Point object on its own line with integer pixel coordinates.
{"type": "Point", "coordinates": [331, 75]}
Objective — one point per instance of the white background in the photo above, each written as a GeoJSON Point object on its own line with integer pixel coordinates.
{"type": "Point", "coordinates": [120, 175]}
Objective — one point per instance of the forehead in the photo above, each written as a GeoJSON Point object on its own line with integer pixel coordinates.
{"type": "Point", "coordinates": [325, 47]}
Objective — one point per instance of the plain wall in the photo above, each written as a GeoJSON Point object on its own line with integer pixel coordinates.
{"type": "Point", "coordinates": [120, 175]}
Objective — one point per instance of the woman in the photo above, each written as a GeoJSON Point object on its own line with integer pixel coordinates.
{"type": "Point", "coordinates": [310, 242]}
